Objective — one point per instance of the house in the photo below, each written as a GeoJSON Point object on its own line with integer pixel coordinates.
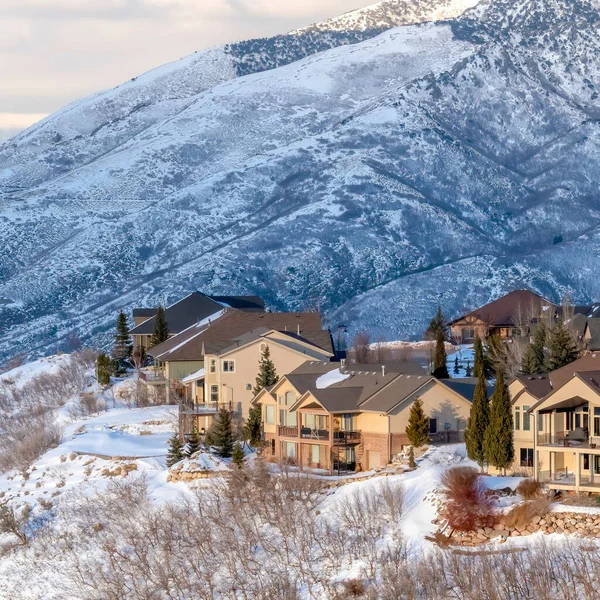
{"type": "Point", "coordinates": [344, 418]}
{"type": "Point", "coordinates": [557, 425]}
{"type": "Point", "coordinates": [510, 316]}
{"type": "Point", "coordinates": [188, 311]}
{"type": "Point", "coordinates": [214, 363]}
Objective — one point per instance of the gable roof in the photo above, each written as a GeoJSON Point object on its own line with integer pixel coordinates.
{"type": "Point", "coordinates": [504, 310]}
{"type": "Point", "coordinates": [592, 329]}
{"type": "Point", "coordinates": [214, 336]}
{"type": "Point", "coordinates": [193, 308]}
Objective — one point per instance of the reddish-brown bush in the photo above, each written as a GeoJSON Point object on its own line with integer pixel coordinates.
{"type": "Point", "coordinates": [529, 489]}
{"type": "Point", "coordinates": [468, 506]}
{"type": "Point", "coordinates": [521, 515]}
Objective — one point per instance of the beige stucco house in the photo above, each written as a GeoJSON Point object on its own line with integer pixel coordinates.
{"type": "Point", "coordinates": [344, 418]}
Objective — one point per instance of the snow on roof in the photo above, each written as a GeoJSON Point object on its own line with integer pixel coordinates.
{"type": "Point", "coordinates": [330, 378]}
{"type": "Point", "coordinates": [199, 374]}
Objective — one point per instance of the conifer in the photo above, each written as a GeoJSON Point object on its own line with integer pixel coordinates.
{"type": "Point", "coordinates": [103, 369]}
{"type": "Point", "coordinates": [194, 444]}
{"type": "Point", "coordinates": [479, 363]}
{"type": "Point", "coordinates": [238, 456]}
{"type": "Point", "coordinates": [411, 458]}
{"type": "Point", "coordinates": [253, 426]}
{"type": "Point", "coordinates": [479, 420]}
{"type": "Point", "coordinates": [563, 349]}
{"type": "Point", "coordinates": [175, 452]}
{"type": "Point", "coordinates": [468, 369]}
{"type": "Point", "coordinates": [456, 366]}
{"type": "Point", "coordinates": [440, 367]}
{"type": "Point", "coordinates": [535, 360]}
{"type": "Point", "coordinates": [417, 429]}
{"type": "Point", "coordinates": [267, 375]}
{"type": "Point", "coordinates": [222, 434]}
{"type": "Point", "coordinates": [499, 438]}
{"type": "Point", "coordinates": [161, 328]}
{"type": "Point", "coordinates": [437, 324]}
{"type": "Point", "coordinates": [123, 346]}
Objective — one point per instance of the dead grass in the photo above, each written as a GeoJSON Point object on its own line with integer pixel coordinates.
{"type": "Point", "coordinates": [521, 515]}
{"type": "Point", "coordinates": [530, 489]}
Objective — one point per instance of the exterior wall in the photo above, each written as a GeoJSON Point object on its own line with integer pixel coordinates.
{"type": "Point", "coordinates": [457, 330]}
{"type": "Point", "coordinates": [176, 371]}
{"type": "Point", "coordinates": [376, 423]}
{"type": "Point", "coordinates": [237, 387]}
{"type": "Point", "coordinates": [374, 442]}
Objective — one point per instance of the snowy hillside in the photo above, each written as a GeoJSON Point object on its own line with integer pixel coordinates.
{"type": "Point", "coordinates": [443, 161]}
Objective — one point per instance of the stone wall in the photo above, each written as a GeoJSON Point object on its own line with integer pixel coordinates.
{"type": "Point", "coordinates": [566, 523]}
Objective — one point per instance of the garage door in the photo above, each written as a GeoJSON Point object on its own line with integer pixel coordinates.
{"type": "Point", "coordinates": [374, 459]}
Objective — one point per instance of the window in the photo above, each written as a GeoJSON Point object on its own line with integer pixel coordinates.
{"type": "Point", "coordinates": [432, 425]}
{"type": "Point", "coordinates": [212, 365]}
{"type": "Point", "coordinates": [346, 423]}
{"type": "Point", "coordinates": [273, 447]}
{"type": "Point", "coordinates": [569, 421]}
{"type": "Point", "coordinates": [468, 334]}
{"type": "Point", "coordinates": [228, 366]}
{"type": "Point", "coordinates": [577, 421]}
{"type": "Point", "coordinates": [315, 422]}
{"type": "Point", "coordinates": [518, 418]}
{"type": "Point", "coordinates": [214, 393]}
{"type": "Point", "coordinates": [270, 414]}
{"type": "Point", "coordinates": [287, 419]}
{"type": "Point", "coordinates": [540, 422]}
{"type": "Point", "coordinates": [290, 449]}
{"type": "Point", "coordinates": [527, 457]}
{"type": "Point", "coordinates": [315, 453]}
{"type": "Point", "coordinates": [290, 398]}
{"type": "Point", "coordinates": [586, 462]}
{"type": "Point", "coordinates": [526, 419]}
{"type": "Point", "coordinates": [248, 387]}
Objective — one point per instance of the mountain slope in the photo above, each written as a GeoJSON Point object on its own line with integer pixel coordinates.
{"type": "Point", "coordinates": [449, 161]}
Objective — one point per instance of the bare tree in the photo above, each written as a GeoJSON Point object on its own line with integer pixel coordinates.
{"type": "Point", "coordinates": [361, 347]}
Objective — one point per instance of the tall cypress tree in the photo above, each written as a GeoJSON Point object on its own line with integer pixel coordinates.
{"type": "Point", "coordinates": [222, 434]}
{"type": "Point", "coordinates": [499, 438]}
{"type": "Point", "coordinates": [253, 425]}
{"type": "Point", "coordinates": [563, 349]}
{"type": "Point", "coordinates": [436, 325]}
{"type": "Point", "coordinates": [535, 360]}
{"type": "Point", "coordinates": [440, 367]}
{"type": "Point", "coordinates": [161, 328]}
{"type": "Point", "coordinates": [417, 429]}
{"type": "Point", "coordinates": [266, 372]}
{"type": "Point", "coordinates": [123, 346]}
{"type": "Point", "coordinates": [479, 362]}
{"type": "Point", "coordinates": [479, 420]}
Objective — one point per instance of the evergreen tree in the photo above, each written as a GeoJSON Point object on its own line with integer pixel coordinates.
{"type": "Point", "coordinates": [123, 346]}
{"type": "Point", "coordinates": [498, 441]}
{"type": "Point", "coordinates": [563, 349]}
{"type": "Point", "coordinates": [253, 426]}
{"type": "Point", "coordinates": [479, 363]}
{"type": "Point", "coordinates": [468, 370]}
{"type": "Point", "coordinates": [479, 420]}
{"type": "Point", "coordinates": [161, 328]}
{"type": "Point", "coordinates": [222, 434]}
{"type": "Point", "coordinates": [456, 366]}
{"type": "Point", "coordinates": [436, 325]}
{"type": "Point", "coordinates": [417, 429]}
{"type": "Point", "coordinates": [267, 375]}
{"type": "Point", "coordinates": [175, 452]}
{"type": "Point", "coordinates": [411, 458]}
{"type": "Point", "coordinates": [238, 456]}
{"type": "Point", "coordinates": [103, 369]}
{"type": "Point", "coordinates": [194, 444]}
{"type": "Point", "coordinates": [440, 367]}
{"type": "Point", "coordinates": [535, 360]}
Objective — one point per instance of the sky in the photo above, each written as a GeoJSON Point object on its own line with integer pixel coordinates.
{"type": "Point", "coordinates": [55, 51]}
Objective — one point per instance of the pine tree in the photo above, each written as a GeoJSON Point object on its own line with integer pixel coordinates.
{"type": "Point", "coordinates": [194, 444]}
{"type": "Point", "coordinates": [440, 367]}
{"type": "Point", "coordinates": [175, 452]}
{"type": "Point", "coordinates": [253, 426]}
{"type": "Point", "coordinates": [498, 441]}
{"type": "Point", "coordinates": [437, 324]}
{"type": "Point", "coordinates": [103, 369]}
{"type": "Point", "coordinates": [267, 375]}
{"type": "Point", "coordinates": [479, 363]}
{"type": "Point", "coordinates": [222, 434]}
{"type": "Point", "coordinates": [468, 370]}
{"type": "Point", "coordinates": [161, 328]}
{"type": "Point", "coordinates": [417, 429]}
{"type": "Point", "coordinates": [238, 456]}
{"type": "Point", "coordinates": [411, 458]}
{"type": "Point", "coordinates": [123, 346]}
{"type": "Point", "coordinates": [563, 349]}
{"type": "Point", "coordinates": [456, 366]}
{"type": "Point", "coordinates": [479, 420]}
{"type": "Point", "coordinates": [535, 360]}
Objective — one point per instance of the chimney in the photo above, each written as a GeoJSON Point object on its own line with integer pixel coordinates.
{"type": "Point", "coordinates": [343, 363]}
{"type": "Point", "coordinates": [383, 370]}
{"type": "Point", "coordinates": [298, 328]}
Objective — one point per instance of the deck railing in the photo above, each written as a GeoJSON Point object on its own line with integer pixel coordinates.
{"type": "Point", "coordinates": [187, 407]}
{"type": "Point", "coordinates": [346, 437]}
{"type": "Point", "coordinates": [288, 430]}
{"type": "Point", "coordinates": [314, 434]}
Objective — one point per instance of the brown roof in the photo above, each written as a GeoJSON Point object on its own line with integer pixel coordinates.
{"type": "Point", "coordinates": [587, 363]}
{"type": "Point", "coordinates": [222, 332]}
{"type": "Point", "coordinates": [537, 385]}
{"type": "Point", "coordinates": [505, 310]}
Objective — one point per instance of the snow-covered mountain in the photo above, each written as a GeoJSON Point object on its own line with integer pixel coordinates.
{"type": "Point", "coordinates": [370, 174]}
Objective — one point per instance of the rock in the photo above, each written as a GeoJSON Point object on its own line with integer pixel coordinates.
{"type": "Point", "coordinates": [536, 519]}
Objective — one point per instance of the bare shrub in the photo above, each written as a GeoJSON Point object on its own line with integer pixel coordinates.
{"type": "Point", "coordinates": [361, 347]}
{"type": "Point", "coordinates": [13, 523]}
{"type": "Point", "coordinates": [353, 588]}
{"type": "Point", "coordinates": [530, 488]}
{"type": "Point", "coordinates": [467, 505]}
{"type": "Point", "coordinates": [522, 514]}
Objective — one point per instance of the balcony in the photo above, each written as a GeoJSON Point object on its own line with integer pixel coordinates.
{"type": "Point", "coordinates": [153, 377]}
{"type": "Point", "coordinates": [344, 438]}
{"type": "Point", "coordinates": [577, 438]}
{"type": "Point", "coordinates": [288, 431]}
{"type": "Point", "coordinates": [314, 434]}
{"type": "Point", "coordinates": [204, 408]}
